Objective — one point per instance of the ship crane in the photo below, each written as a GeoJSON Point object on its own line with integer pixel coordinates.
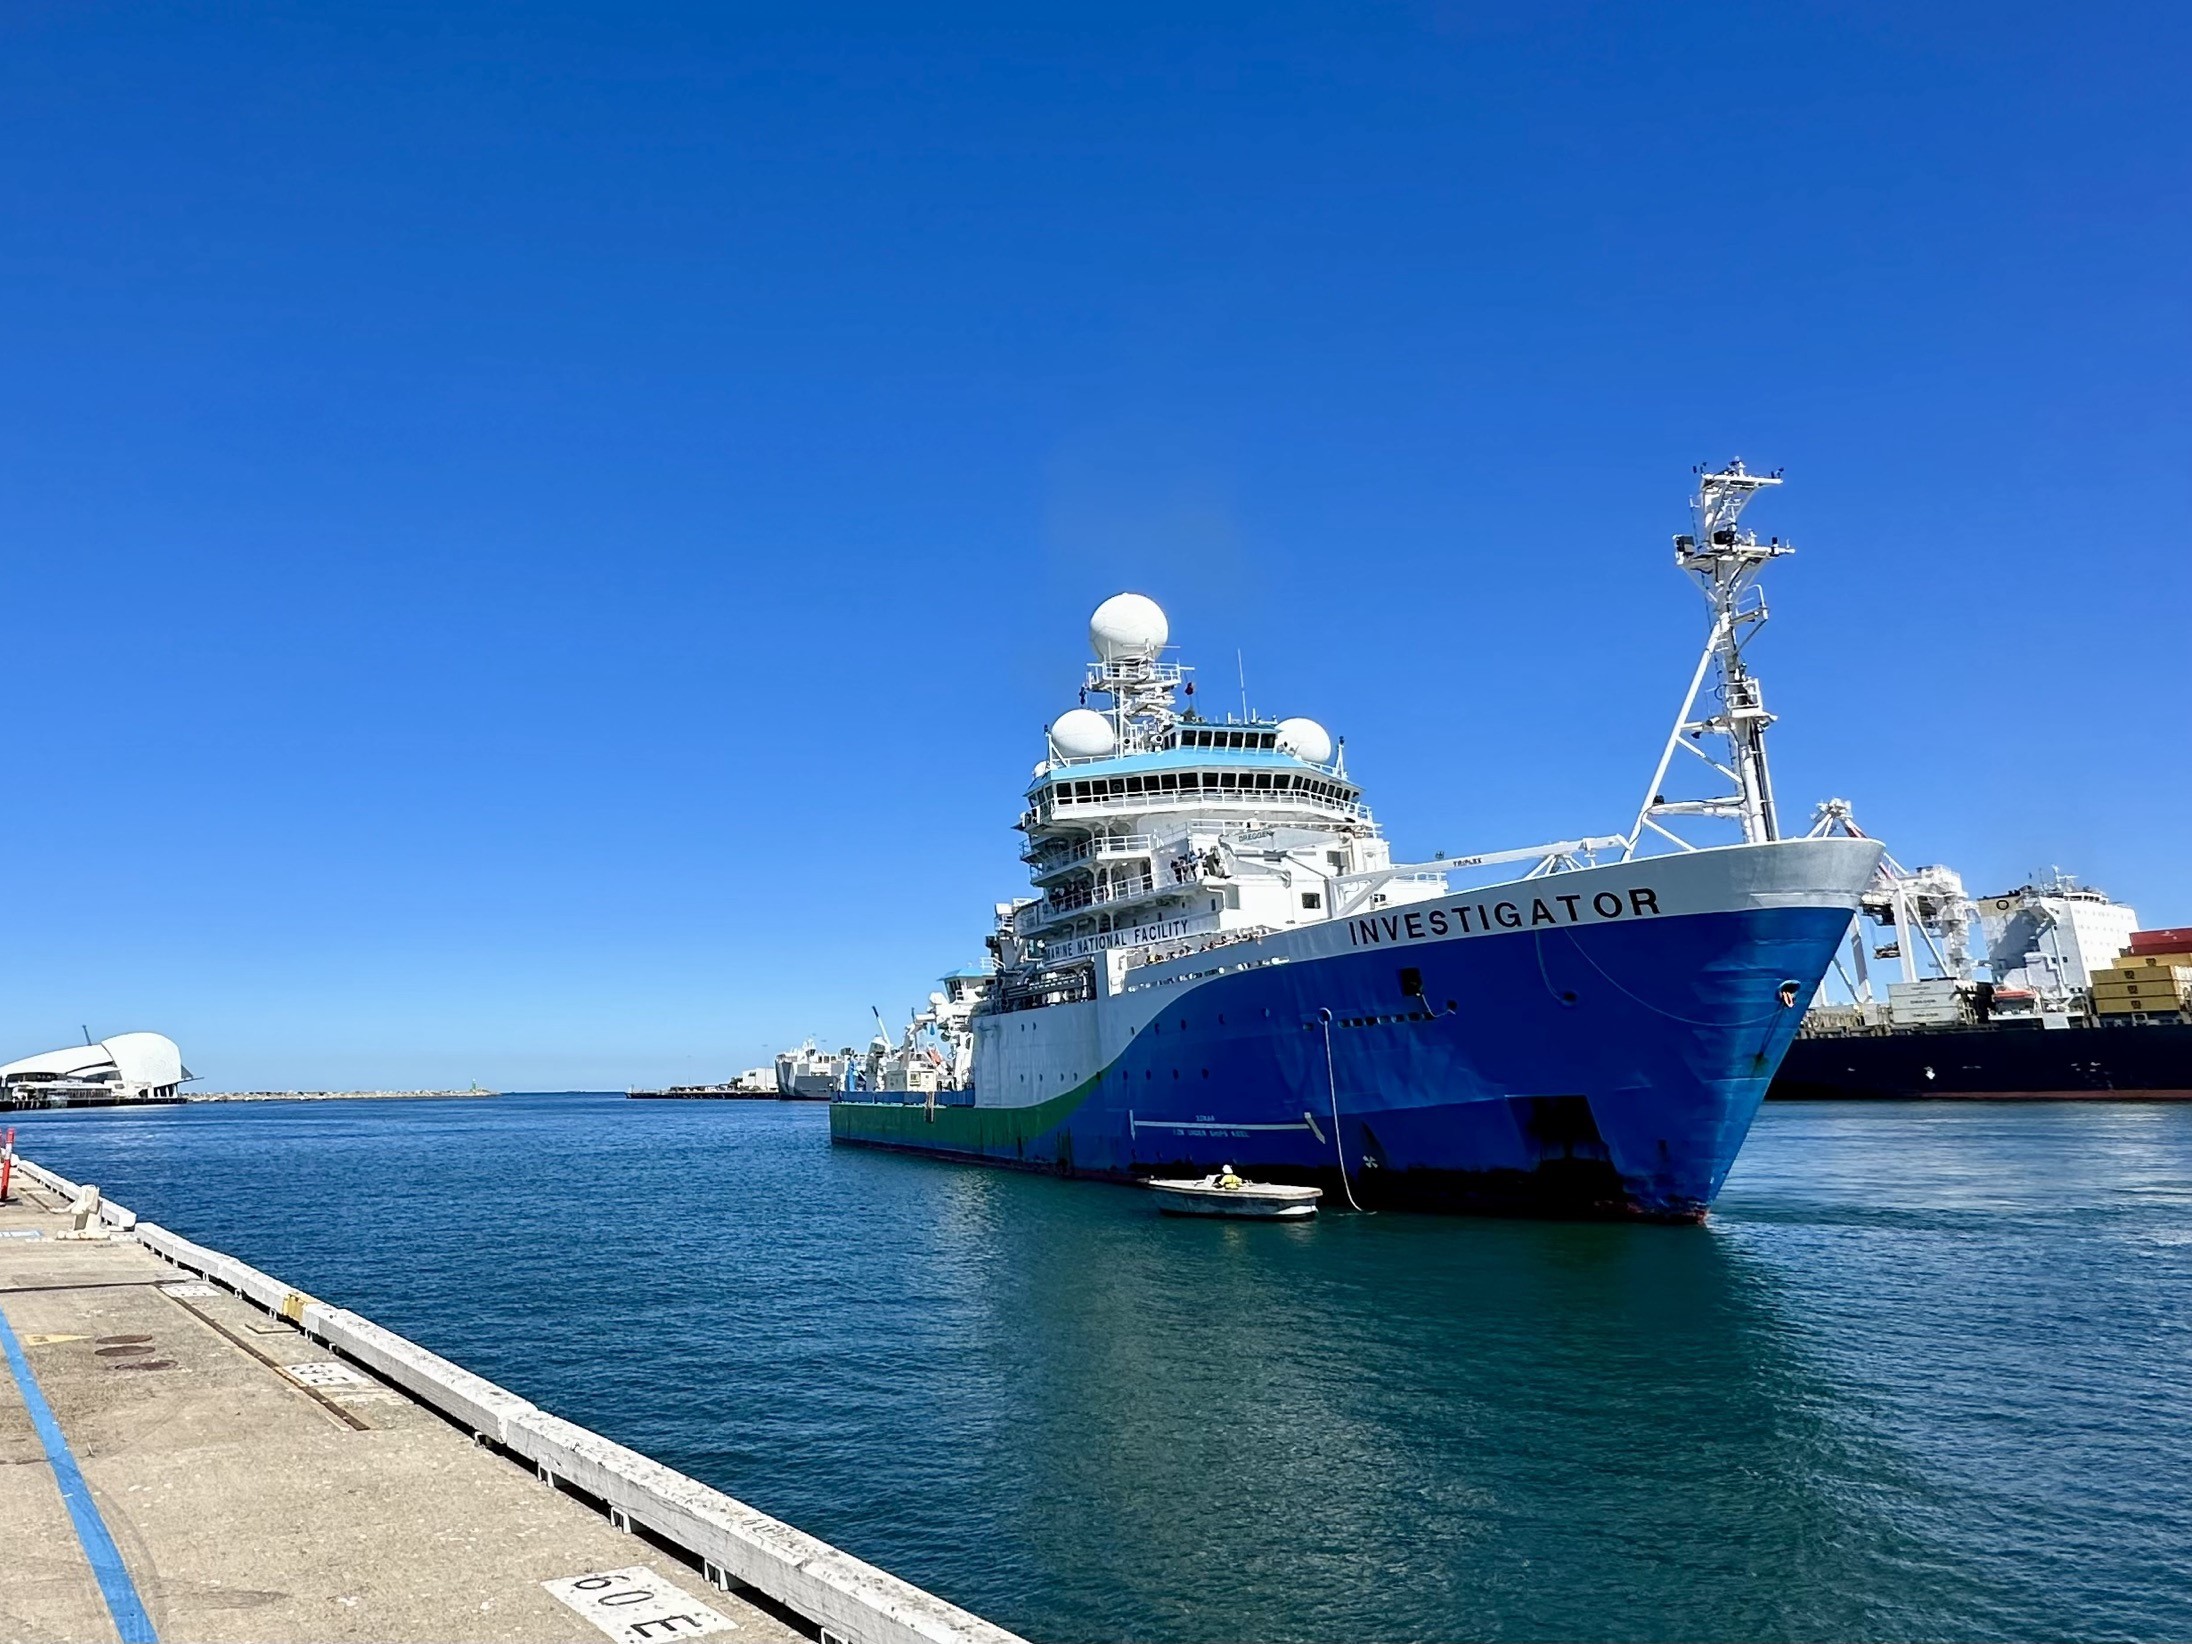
{"type": "Point", "coordinates": [1725, 560]}
{"type": "Point", "coordinates": [1925, 905]}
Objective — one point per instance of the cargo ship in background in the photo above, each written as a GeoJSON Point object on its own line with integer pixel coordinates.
{"type": "Point", "coordinates": [2046, 992]}
{"type": "Point", "coordinates": [1221, 963]}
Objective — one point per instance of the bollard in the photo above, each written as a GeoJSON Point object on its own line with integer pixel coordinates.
{"type": "Point", "coordinates": [84, 1220]}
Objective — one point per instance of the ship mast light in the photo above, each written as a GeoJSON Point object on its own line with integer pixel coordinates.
{"type": "Point", "coordinates": [1724, 560]}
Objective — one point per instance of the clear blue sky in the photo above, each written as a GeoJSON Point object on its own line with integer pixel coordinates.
{"type": "Point", "coordinates": [538, 540]}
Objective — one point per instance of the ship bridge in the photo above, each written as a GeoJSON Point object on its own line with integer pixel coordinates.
{"type": "Point", "coordinates": [1225, 765]}
{"type": "Point", "coordinates": [1147, 823]}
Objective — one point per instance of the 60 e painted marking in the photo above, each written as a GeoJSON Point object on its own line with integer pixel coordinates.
{"type": "Point", "coordinates": [636, 1606]}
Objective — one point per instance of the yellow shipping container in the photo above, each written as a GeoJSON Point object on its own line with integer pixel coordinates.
{"type": "Point", "coordinates": [2164, 1002]}
{"type": "Point", "coordinates": [2151, 961]}
{"type": "Point", "coordinates": [2144, 987]}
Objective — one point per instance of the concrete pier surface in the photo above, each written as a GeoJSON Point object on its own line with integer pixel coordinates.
{"type": "Point", "coordinates": [181, 1459]}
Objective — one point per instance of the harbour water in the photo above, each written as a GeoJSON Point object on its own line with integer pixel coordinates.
{"type": "Point", "coordinates": [1927, 1371]}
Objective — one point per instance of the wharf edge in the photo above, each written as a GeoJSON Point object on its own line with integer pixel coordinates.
{"type": "Point", "coordinates": [729, 1543]}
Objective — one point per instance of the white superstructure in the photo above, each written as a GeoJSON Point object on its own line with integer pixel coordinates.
{"type": "Point", "coordinates": [2052, 936]}
{"type": "Point", "coordinates": [808, 1071]}
{"type": "Point", "coordinates": [1149, 824]}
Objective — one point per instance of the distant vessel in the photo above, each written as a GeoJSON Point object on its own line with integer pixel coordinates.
{"type": "Point", "coordinates": [756, 1084]}
{"type": "Point", "coordinates": [808, 1074]}
{"type": "Point", "coordinates": [935, 1054]}
{"type": "Point", "coordinates": [1222, 962]}
{"type": "Point", "coordinates": [2045, 992]}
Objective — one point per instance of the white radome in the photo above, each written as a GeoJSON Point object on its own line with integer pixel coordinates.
{"type": "Point", "coordinates": [1306, 739]}
{"type": "Point", "coordinates": [1082, 733]}
{"type": "Point", "coordinates": [1128, 625]}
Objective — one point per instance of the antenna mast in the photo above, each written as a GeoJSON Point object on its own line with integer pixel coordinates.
{"type": "Point", "coordinates": [1725, 560]}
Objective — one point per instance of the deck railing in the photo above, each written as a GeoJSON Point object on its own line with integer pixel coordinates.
{"type": "Point", "coordinates": [1100, 848]}
{"type": "Point", "coordinates": [1076, 897]}
{"type": "Point", "coordinates": [1272, 804]}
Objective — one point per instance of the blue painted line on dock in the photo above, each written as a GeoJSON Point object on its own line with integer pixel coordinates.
{"type": "Point", "coordinates": [100, 1552]}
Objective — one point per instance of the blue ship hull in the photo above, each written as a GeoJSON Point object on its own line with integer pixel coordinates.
{"type": "Point", "coordinates": [1601, 1070]}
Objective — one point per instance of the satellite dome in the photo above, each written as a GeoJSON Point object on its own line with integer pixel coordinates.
{"type": "Point", "coordinates": [1082, 733]}
{"type": "Point", "coordinates": [1127, 625]}
{"type": "Point", "coordinates": [1306, 739]}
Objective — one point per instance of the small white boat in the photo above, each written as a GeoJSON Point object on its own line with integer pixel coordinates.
{"type": "Point", "coordinates": [1225, 1194]}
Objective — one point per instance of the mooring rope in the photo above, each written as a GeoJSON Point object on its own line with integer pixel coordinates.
{"type": "Point", "coordinates": [1332, 1086]}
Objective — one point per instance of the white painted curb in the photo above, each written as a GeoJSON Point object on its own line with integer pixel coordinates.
{"type": "Point", "coordinates": [54, 1182]}
{"type": "Point", "coordinates": [473, 1402]}
{"type": "Point", "coordinates": [852, 1600]}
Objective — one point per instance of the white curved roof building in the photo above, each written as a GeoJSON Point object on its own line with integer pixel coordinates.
{"type": "Point", "coordinates": [130, 1067]}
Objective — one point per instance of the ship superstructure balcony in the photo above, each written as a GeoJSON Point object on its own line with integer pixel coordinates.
{"type": "Point", "coordinates": [1070, 902]}
{"type": "Point", "coordinates": [1051, 858]}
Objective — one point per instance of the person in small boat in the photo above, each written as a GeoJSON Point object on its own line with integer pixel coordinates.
{"type": "Point", "coordinates": [1228, 1178]}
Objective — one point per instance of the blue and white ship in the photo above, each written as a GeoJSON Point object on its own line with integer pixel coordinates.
{"type": "Point", "coordinates": [1222, 963]}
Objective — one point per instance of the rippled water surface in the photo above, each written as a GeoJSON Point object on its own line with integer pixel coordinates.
{"type": "Point", "coordinates": [1926, 1374]}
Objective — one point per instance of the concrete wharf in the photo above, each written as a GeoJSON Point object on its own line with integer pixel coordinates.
{"type": "Point", "coordinates": [190, 1449]}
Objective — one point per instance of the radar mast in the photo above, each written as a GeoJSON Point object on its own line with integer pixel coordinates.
{"type": "Point", "coordinates": [1128, 633]}
{"type": "Point", "coordinates": [1725, 560]}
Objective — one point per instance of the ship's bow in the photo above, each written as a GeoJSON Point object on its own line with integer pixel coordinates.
{"type": "Point", "coordinates": [1709, 1011]}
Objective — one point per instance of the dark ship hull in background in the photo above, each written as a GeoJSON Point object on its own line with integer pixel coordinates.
{"type": "Point", "coordinates": [2142, 1061]}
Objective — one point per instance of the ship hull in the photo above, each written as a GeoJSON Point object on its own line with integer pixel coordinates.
{"type": "Point", "coordinates": [1567, 1066]}
{"type": "Point", "coordinates": [2148, 1061]}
